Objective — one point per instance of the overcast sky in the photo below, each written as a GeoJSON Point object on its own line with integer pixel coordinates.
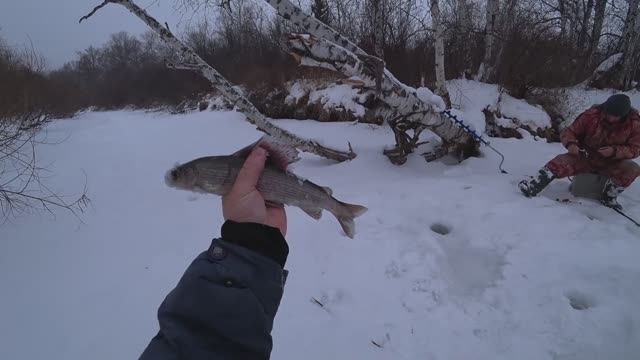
{"type": "Point", "coordinates": [52, 25]}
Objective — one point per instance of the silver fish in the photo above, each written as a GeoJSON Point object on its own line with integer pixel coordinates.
{"type": "Point", "coordinates": [217, 174]}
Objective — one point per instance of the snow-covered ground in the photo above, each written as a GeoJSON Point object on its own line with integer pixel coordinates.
{"type": "Point", "coordinates": [471, 97]}
{"type": "Point", "coordinates": [513, 278]}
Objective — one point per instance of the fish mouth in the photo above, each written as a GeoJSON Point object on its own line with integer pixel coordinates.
{"type": "Point", "coordinates": [171, 177]}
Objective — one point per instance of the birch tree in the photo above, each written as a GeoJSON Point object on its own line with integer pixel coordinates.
{"type": "Point", "coordinates": [378, 7]}
{"type": "Point", "coordinates": [441, 87]}
{"type": "Point", "coordinates": [485, 71]}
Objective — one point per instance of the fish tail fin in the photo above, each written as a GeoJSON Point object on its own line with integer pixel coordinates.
{"type": "Point", "coordinates": [345, 215]}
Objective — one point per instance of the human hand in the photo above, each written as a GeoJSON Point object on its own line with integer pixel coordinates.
{"type": "Point", "coordinates": [574, 149]}
{"type": "Point", "coordinates": [606, 151]}
{"type": "Point", "coordinates": [244, 203]}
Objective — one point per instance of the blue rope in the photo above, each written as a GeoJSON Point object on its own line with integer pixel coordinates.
{"type": "Point", "coordinates": [476, 136]}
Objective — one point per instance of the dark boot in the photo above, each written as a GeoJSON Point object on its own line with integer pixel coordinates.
{"type": "Point", "coordinates": [610, 195]}
{"type": "Point", "coordinates": [532, 186]}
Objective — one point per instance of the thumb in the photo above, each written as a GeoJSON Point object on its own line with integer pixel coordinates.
{"type": "Point", "coordinates": [251, 170]}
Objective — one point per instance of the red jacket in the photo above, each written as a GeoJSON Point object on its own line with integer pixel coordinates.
{"type": "Point", "coordinates": [591, 132]}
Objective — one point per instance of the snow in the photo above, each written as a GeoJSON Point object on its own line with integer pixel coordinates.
{"type": "Point", "coordinates": [330, 96]}
{"type": "Point", "coordinates": [426, 95]}
{"type": "Point", "coordinates": [513, 278]}
{"type": "Point", "coordinates": [528, 114]}
{"type": "Point", "coordinates": [338, 96]}
{"type": "Point", "coordinates": [609, 62]}
{"type": "Point", "coordinates": [471, 97]}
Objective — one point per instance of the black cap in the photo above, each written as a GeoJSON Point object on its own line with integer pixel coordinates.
{"type": "Point", "coordinates": [617, 105]}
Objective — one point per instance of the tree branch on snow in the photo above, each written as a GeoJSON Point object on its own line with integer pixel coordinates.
{"type": "Point", "coordinates": [189, 60]}
{"type": "Point", "coordinates": [398, 101]}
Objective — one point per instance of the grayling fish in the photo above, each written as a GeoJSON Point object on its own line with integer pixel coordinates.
{"type": "Point", "coordinates": [217, 174]}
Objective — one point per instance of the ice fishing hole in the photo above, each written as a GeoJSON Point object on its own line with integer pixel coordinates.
{"type": "Point", "coordinates": [580, 301]}
{"type": "Point", "coordinates": [440, 228]}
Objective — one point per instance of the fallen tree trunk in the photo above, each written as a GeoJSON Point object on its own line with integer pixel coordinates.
{"type": "Point", "coordinates": [499, 125]}
{"type": "Point", "coordinates": [399, 104]}
{"type": "Point", "coordinates": [189, 60]}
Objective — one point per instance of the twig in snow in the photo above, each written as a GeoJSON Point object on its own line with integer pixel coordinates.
{"type": "Point", "coordinates": [317, 302]}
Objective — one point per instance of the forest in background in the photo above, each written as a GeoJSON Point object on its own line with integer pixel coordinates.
{"type": "Point", "coordinates": [518, 44]}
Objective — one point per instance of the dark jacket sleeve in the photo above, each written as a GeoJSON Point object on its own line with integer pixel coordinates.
{"type": "Point", "coordinates": [224, 305]}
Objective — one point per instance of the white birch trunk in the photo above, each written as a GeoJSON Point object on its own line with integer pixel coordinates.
{"type": "Point", "coordinates": [464, 14]}
{"type": "Point", "coordinates": [378, 31]}
{"type": "Point", "coordinates": [485, 70]}
{"type": "Point", "coordinates": [441, 87]}
{"type": "Point", "coordinates": [189, 60]}
{"type": "Point", "coordinates": [296, 16]}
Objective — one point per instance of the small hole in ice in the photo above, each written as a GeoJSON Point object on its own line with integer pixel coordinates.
{"type": "Point", "coordinates": [441, 229]}
{"type": "Point", "coordinates": [580, 301]}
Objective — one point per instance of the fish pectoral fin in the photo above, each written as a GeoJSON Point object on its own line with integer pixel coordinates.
{"type": "Point", "coordinates": [273, 204]}
{"type": "Point", "coordinates": [315, 213]}
{"type": "Point", "coordinates": [327, 190]}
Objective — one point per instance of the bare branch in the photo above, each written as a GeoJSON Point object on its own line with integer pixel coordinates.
{"type": "Point", "coordinates": [96, 9]}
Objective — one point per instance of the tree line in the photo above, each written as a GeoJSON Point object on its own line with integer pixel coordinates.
{"type": "Point", "coordinates": [519, 44]}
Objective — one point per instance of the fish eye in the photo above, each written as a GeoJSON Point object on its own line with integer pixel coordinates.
{"type": "Point", "coordinates": [174, 175]}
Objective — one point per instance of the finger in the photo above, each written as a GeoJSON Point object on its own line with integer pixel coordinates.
{"type": "Point", "coordinates": [251, 170]}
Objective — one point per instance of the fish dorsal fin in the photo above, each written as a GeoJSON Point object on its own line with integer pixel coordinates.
{"type": "Point", "coordinates": [315, 213]}
{"type": "Point", "coordinates": [327, 190]}
{"type": "Point", "coordinates": [280, 154]}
